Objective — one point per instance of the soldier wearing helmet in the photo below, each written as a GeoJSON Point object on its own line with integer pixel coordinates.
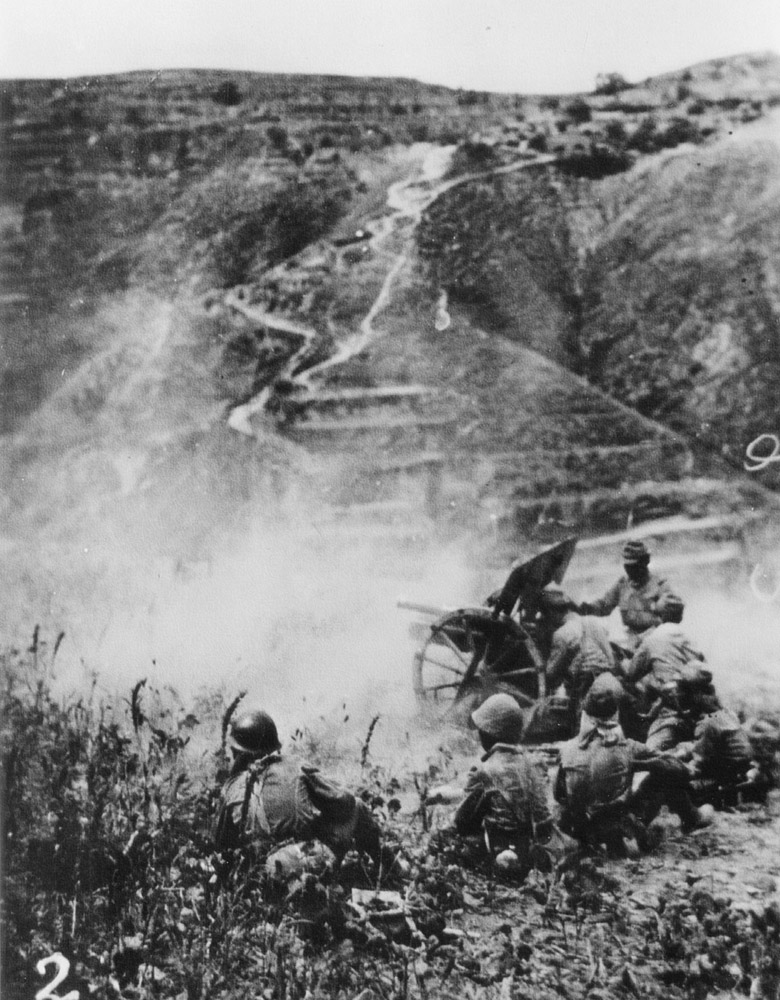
{"type": "Point", "coordinates": [636, 594]}
{"type": "Point", "coordinates": [656, 667]}
{"type": "Point", "coordinates": [505, 800]}
{"type": "Point", "coordinates": [270, 801]}
{"type": "Point", "coordinates": [595, 780]}
{"type": "Point", "coordinates": [719, 754]}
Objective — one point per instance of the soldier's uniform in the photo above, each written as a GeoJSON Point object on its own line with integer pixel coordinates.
{"type": "Point", "coordinates": [594, 784]}
{"type": "Point", "coordinates": [271, 802]}
{"type": "Point", "coordinates": [658, 664]}
{"type": "Point", "coordinates": [720, 754]}
{"type": "Point", "coordinates": [636, 598]}
{"type": "Point", "coordinates": [505, 802]}
{"type": "Point", "coordinates": [276, 801]}
{"type": "Point", "coordinates": [580, 651]}
{"type": "Point", "coordinates": [506, 799]}
{"type": "Point", "coordinates": [721, 748]}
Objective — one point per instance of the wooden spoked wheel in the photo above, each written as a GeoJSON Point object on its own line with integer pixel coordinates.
{"type": "Point", "coordinates": [470, 649]}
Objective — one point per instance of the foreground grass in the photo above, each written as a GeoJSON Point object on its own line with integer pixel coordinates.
{"type": "Point", "coordinates": [109, 861]}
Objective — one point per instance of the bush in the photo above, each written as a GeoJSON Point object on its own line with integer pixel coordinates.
{"type": "Point", "coordinates": [228, 93]}
{"type": "Point", "coordinates": [108, 859]}
{"type": "Point", "coordinates": [538, 142]}
{"type": "Point", "coordinates": [611, 83]}
{"type": "Point", "coordinates": [645, 138]}
{"type": "Point", "coordinates": [678, 131]}
{"type": "Point", "coordinates": [683, 92]}
{"type": "Point", "coordinates": [277, 136]}
{"type": "Point", "coordinates": [579, 111]}
{"type": "Point", "coordinates": [600, 161]}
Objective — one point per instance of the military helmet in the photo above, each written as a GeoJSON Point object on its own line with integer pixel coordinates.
{"type": "Point", "coordinates": [254, 731]}
{"type": "Point", "coordinates": [603, 698]}
{"type": "Point", "coordinates": [499, 717]}
{"type": "Point", "coordinates": [635, 551]}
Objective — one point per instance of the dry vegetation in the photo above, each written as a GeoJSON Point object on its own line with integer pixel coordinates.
{"type": "Point", "coordinates": [108, 860]}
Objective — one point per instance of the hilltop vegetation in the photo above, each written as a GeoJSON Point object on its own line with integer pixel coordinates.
{"type": "Point", "coordinates": [681, 317]}
{"type": "Point", "coordinates": [642, 259]}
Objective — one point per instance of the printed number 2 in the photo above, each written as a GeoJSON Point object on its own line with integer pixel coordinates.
{"type": "Point", "coordinates": [63, 968]}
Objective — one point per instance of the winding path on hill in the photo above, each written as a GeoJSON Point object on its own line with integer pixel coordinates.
{"type": "Point", "coordinates": [407, 200]}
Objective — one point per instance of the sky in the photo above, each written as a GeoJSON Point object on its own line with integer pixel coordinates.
{"type": "Point", "coordinates": [529, 46]}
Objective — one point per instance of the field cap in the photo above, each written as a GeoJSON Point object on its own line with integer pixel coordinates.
{"type": "Point", "coordinates": [635, 552]}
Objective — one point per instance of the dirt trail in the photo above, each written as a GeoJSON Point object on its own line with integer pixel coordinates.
{"type": "Point", "coordinates": [407, 200]}
{"type": "Point", "coordinates": [240, 416]}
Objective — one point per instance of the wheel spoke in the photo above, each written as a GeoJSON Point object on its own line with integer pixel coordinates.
{"type": "Point", "coordinates": [441, 687]}
{"type": "Point", "coordinates": [444, 666]}
{"type": "Point", "coordinates": [507, 674]}
{"type": "Point", "coordinates": [469, 637]}
{"type": "Point", "coordinates": [453, 647]}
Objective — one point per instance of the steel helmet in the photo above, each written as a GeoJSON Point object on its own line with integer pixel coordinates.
{"type": "Point", "coordinates": [603, 698]}
{"type": "Point", "coordinates": [499, 717]}
{"type": "Point", "coordinates": [254, 731]}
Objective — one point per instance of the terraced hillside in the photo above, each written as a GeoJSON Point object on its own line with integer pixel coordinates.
{"type": "Point", "coordinates": [396, 331]}
{"type": "Point", "coordinates": [420, 429]}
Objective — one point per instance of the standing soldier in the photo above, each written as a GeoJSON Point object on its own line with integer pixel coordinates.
{"type": "Point", "coordinates": [636, 594]}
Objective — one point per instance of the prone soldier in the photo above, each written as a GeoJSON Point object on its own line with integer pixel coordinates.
{"type": "Point", "coordinates": [299, 818]}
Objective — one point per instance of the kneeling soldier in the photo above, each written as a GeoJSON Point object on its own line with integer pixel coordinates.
{"type": "Point", "coordinates": [595, 781]}
{"type": "Point", "coordinates": [506, 793]}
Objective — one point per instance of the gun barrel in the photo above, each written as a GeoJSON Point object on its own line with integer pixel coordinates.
{"type": "Point", "coordinates": [424, 609]}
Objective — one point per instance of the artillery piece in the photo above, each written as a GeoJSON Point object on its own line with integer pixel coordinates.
{"type": "Point", "coordinates": [468, 653]}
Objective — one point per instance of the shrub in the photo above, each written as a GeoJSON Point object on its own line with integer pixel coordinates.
{"type": "Point", "coordinates": [597, 162]}
{"type": "Point", "coordinates": [108, 859]}
{"type": "Point", "coordinates": [579, 111]}
{"type": "Point", "coordinates": [277, 136]}
{"type": "Point", "coordinates": [645, 137]}
{"type": "Point", "coordinates": [616, 135]}
{"type": "Point", "coordinates": [611, 83]}
{"type": "Point", "coordinates": [678, 131]}
{"type": "Point", "coordinates": [227, 93]}
{"type": "Point", "coordinates": [683, 92]}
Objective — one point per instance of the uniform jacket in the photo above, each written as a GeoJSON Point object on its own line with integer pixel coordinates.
{"type": "Point", "coordinates": [597, 768]}
{"type": "Point", "coordinates": [661, 655]}
{"type": "Point", "coordinates": [580, 651]}
{"type": "Point", "coordinates": [506, 794]}
{"type": "Point", "coordinates": [721, 746]}
{"type": "Point", "coordinates": [276, 800]}
{"type": "Point", "coordinates": [637, 603]}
